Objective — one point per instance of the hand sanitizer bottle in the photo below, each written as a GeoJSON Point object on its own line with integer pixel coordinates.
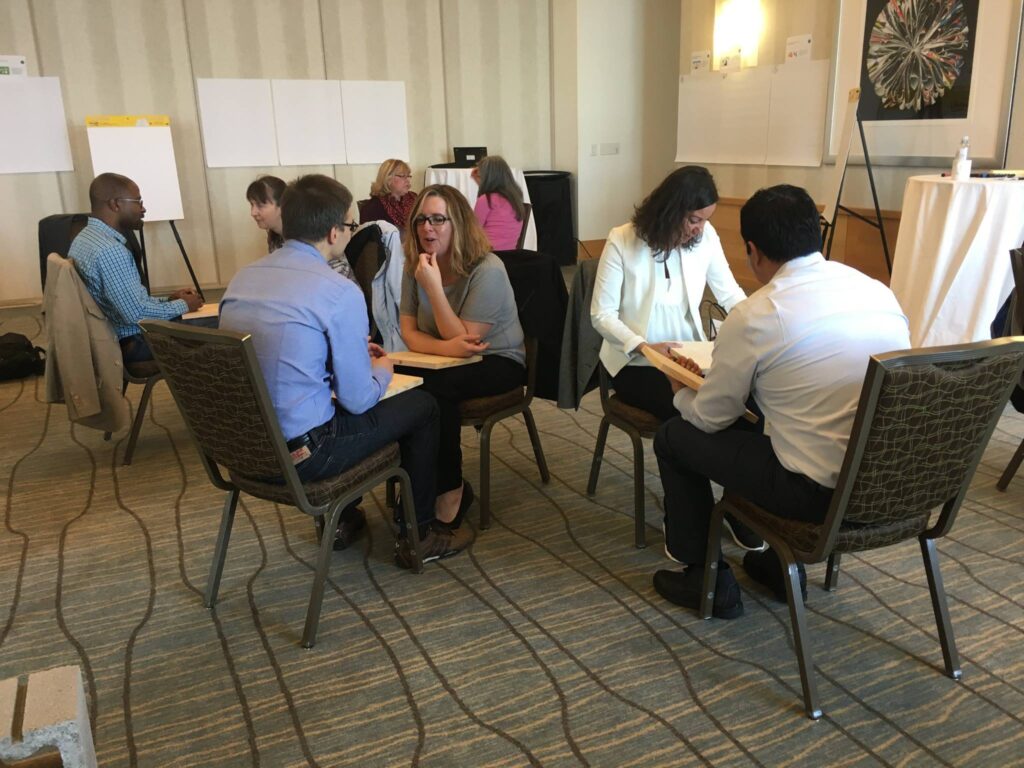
{"type": "Point", "coordinates": [961, 163]}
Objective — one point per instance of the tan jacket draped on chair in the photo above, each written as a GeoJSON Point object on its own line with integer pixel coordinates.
{"type": "Point", "coordinates": [83, 362]}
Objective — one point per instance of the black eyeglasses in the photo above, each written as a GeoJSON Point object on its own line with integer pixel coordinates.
{"type": "Point", "coordinates": [435, 219]}
{"type": "Point", "coordinates": [351, 225]}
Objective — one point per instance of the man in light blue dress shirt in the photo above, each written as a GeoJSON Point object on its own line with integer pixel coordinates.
{"type": "Point", "coordinates": [310, 329]}
{"type": "Point", "coordinates": [106, 266]}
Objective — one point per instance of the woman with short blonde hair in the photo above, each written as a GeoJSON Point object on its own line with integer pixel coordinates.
{"type": "Point", "coordinates": [391, 198]}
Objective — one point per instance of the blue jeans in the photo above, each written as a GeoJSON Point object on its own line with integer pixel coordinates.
{"type": "Point", "coordinates": [410, 419]}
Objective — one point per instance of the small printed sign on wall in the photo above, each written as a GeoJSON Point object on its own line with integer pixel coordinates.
{"type": "Point", "coordinates": [700, 61]}
{"type": "Point", "coordinates": [798, 48]}
{"type": "Point", "coordinates": [731, 60]}
{"type": "Point", "coordinates": [13, 66]}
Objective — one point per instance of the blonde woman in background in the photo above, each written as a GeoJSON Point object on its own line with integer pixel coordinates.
{"type": "Point", "coordinates": [390, 197]}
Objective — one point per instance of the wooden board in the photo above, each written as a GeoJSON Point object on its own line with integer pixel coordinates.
{"type": "Point", "coordinates": [675, 371]}
{"type": "Point", "coordinates": [431, 362]}
{"type": "Point", "coordinates": [401, 382]}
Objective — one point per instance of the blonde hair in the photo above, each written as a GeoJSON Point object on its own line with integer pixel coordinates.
{"type": "Point", "coordinates": [380, 187]}
{"type": "Point", "coordinates": [469, 243]}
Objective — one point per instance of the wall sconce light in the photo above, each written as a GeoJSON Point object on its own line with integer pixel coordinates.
{"type": "Point", "coordinates": [738, 26]}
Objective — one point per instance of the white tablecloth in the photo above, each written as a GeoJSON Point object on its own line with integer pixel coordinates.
{"type": "Point", "coordinates": [462, 180]}
{"type": "Point", "coordinates": [951, 269]}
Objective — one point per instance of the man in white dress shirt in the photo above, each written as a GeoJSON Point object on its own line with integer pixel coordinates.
{"type": "Point", "coordinates": [799, 346]}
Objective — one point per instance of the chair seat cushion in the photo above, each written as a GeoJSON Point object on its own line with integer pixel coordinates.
{"type": "Point", "coordinates": [850, 538]}
{"type": "Point", "coordinates": [482, 407]}
{"type": "Point", "coordinates": [321, 492]}
{"type": "Point", "coordinates": [639, 418]}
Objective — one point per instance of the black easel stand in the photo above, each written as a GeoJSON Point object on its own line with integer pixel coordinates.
{"type": "Point", "coordinates": [181, 247]}
{"type": "Point", "coordinates": [829, 228]}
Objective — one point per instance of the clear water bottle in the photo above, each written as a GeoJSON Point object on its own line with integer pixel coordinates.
{"type": "Point", "coordinates": [961, 161]}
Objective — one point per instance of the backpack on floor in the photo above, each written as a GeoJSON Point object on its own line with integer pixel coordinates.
{"type": "Point", "coordinates": [18, 358]}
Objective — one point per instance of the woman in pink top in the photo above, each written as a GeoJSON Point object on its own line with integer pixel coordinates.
{"type": "Point", "coordinates": [499, 205]}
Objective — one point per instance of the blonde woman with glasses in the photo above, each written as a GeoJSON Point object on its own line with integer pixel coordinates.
{"type": "Point", "coordinates": [390, 197]}
{"type": "Point", "coordinates": [457, 300]}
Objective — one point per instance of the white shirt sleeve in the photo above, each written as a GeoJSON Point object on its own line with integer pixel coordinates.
{"type": "Point", "coordinates": [729, 380]}
{"type": "Point", "coordinates": [721, 279]}
{"type": "Point", "coordinates": [606, 305]}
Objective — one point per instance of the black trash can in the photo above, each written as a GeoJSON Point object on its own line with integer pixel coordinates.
{"type": "Point", "coordinates": [551, 198]}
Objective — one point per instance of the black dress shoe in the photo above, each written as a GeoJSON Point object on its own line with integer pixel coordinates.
{"type": "Point", "coordinates": [766, 569]}
{"type": "Point", "coordinates": [350, 525]}
{"type": "Point", "coordinates": [468, 497]}
{"type": "Point", "coordinates": [684, 588]}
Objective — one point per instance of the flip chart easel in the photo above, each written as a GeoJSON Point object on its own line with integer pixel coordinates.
{"type": "Point", "coordinates": [833, 205]}
{"type": "Point", "coordinates": [140, 147]}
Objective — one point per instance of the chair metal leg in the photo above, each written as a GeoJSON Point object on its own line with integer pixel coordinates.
{"type": "Point", "coordinates": [411, 525]}
{"type": "Point", "coordinates": [538, 450]}
{"type": "Point", "coordinates": [389, 493]}
{"type": "Point", "coordinates": [707, 599]}
{"type": "Point", "coordinates": [639, 511]}
{"type": "Point", "coordinates": [832, 572]}
{"type": "Point", "coordinates": [798, 620]}
{"type": "Point", "coordinates": [140, 416]}
{"type": "Point", "coordinates": [595, 465]}
{"type": "Point", "coordinates": [323, 564]}
{"type": "Point", "coordinates": [485, 476]}
{"type": "Point", "coordinates": [939, 607]}
{"type": "Point", "coordinates": [1011, 468]}
{"type": "Point", "coordinates": [220, 550]}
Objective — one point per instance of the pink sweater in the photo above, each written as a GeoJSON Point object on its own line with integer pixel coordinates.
{"type": "Point", "coordinates": [498, 218]}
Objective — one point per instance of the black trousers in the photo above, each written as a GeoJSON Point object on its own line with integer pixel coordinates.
{"type": "Point", "coordinates": [410, 418]}
{"type": "Point", "coordinates": [646, 387]}
{"type": "Point", "coordinates": [741, 459]}
{"type": "Point", "coordinates": [491, 376]}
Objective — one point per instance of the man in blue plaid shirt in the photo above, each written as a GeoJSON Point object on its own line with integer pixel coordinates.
{"type": "Point", "coordinates": [109, 272]}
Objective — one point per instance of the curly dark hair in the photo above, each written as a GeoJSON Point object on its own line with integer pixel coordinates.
{"type": "Point", "coordinates": [658, 220]}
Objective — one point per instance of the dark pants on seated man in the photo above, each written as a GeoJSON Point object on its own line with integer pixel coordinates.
{"type": "Point", "coordinates": [409, 418]}
{"type": "Point", "coordinates": [134, 349]}
{"type": "Point", "coordinates": [739, 458]}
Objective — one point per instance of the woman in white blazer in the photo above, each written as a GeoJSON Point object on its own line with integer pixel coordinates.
{"type": "Point", "coordinates": [651, 280]}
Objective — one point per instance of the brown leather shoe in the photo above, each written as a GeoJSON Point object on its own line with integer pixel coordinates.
{"type": "Point", "coordinates": [350, 525]}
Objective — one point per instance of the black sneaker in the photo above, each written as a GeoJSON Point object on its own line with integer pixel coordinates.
{"type": "Point", "coordinates": [440, 542]}
{"type": "Point", "coordinates": [766, 569]}
{"type": "Point", "coordinates": [350, 525]}
{"type": "Point", "coordinates": [468, 497]}
{"type": "Point", "coordinates": [743, 536]}
{"type": "Point", "coordinates": [684, 588]}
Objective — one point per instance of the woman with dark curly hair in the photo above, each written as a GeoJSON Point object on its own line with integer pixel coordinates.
{"type": "Point", "coordinates": [650, 282]}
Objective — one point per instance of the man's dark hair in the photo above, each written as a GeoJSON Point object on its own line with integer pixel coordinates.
{"type": "Point", "coordinates": [782, 221]}
{"type": "Point", "coordinates": [311, 205]}
{"type": "Point", "coordinates": [659, 219]}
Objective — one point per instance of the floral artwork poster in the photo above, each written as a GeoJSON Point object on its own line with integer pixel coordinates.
{"type": "Point", "coordinates": [917, 58]}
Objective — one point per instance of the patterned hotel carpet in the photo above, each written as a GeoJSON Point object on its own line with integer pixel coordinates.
{"type": "Point", "coordinates": [543, 645]}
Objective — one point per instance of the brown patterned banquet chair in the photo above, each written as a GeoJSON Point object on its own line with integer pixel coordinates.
{"type": "Point", "coordinates": [922, 424]}
{"type": "Point", "coordinates": [217, 384]}
{"type": "Point", "coordinates": [484, 412]}
{"type": "Point", "coordinates": [1017, 398]}
{"type": "Point", "coordinates": [527, 208]}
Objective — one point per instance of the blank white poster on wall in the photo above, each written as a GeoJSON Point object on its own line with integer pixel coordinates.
{"type": "Point", "coordinates": [796, 117]}
{"type": "Point", "coordinates": [724, 118]}
{"type": "Point", "coordinates": [35, 131]}
{"type": "Point", "coordinates": [237, 120]}
{"type": "Point", "coordinates": [308, 119]}
{"type": "Point", "coordinates": [146, 156]}
{"type": "Point", "coordinates": [375, 120]}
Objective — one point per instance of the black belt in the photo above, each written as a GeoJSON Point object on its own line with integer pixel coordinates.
{"type": "Point", "coordinates": [309, 441]}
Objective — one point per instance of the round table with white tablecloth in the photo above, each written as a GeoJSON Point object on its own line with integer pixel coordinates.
{"type": "Point", "coordinates": [951, 268]}
{"type": "Point", "coordinates": [462, 180]}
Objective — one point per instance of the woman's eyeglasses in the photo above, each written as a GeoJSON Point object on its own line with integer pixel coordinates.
{"type": "Point", "coordinates": [435, 219]}
{"type": "Point", "coordinates": [403, 175]}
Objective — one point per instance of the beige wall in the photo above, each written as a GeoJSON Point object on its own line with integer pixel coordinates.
{"type": "Point", "coordinates": [465, 83]}
{"type": "Point", "coordinates": [791, 17]}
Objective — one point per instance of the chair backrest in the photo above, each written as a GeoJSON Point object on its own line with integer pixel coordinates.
{"type": "Point", "coordinates": [215, 379]}
{"type": "Point", "coordinates": [1017, 265]}
{"type": "Point", "coordinates": [526, 223]}
{"type": "Point", "coordinates": [922, 424]}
